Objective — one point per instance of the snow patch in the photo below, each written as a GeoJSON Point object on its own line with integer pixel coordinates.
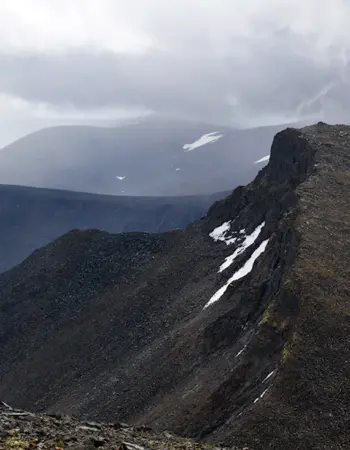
{"type": "Point", "coordinates": [242, 272]}
{"type": "Point", "coordinates": [241, 351]}
{"type": "Point", "coordinates": [203, 140]}
{"type": "Point", "coordinates": [177, 169]}
{"type": "Point", "coordinates": [219, 234]}
{"type": "Point", "coordinates": [261, 396]}
{"type": "Point", "coordinates": [120, 178]}
{"type": "Point", "coordinates": [265, 158]}
{"type": "Point", "coordinates": [268, 376]}
{"type": "Point", "coordinates": [248, 241]}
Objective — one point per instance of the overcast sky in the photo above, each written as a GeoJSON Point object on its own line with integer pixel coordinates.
{"type": "Point", "coordinates": [246, 62]}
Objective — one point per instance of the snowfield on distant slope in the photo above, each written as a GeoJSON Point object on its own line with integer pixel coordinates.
{"type": "Point", "coordinates": [203, 140]}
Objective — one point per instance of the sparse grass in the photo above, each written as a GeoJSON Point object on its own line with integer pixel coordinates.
{"type": "Point", "coordinates": [287, 349]}
{"type": "Point", "coordinates": [286, 353]}
{"type": "Point", "coordinates": [15, 442]}
{"type": "Point", "coordinates": [265, 317]}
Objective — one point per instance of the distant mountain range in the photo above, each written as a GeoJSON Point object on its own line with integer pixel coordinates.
{"type": "Point", "coordinates": [154, 157]}
{"type": "Point", "coordinates": [32, 217]}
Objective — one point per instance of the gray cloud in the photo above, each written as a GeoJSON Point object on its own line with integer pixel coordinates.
{"type": "Point", "coordinates": [157, 81]}
{"type": "Point", "coordinates": [269, 82]}
{"type": "Point", "coordinates": [270, 75]}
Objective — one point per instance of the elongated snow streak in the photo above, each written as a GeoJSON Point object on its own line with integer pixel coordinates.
{"type": "Point", "coordinates": [241, 351]}
{"type": "Point", "coordinates": [265, 158]}
{"type": "Point", "coordinates": [205, 139]}
{"type": "Point", "coordinates": [268, 376]}
{"type": "Point", "coordinates": [120, 178]}
{"type": "Point", "coordinates": [242, 272]}
{"type": "Point", "coordinates": [261, 396]}
{"type": "Point", "coordinates": [248, 241]}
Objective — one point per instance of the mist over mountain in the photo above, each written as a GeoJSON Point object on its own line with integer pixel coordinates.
{"type": "Point", "coordinates": [153, 157]}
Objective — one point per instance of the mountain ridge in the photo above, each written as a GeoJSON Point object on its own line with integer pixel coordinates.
{"type": "Point", "coordinates": [33, 217]}
{"type": "Point", "coordinates": [263, 366]}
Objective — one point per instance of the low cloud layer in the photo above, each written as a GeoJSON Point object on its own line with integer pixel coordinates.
{"type": "Point", "coordinates": [244, 62]}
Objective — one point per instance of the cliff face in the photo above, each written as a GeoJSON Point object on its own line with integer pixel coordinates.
{"type": "Point", "coordinates": [235, 329]}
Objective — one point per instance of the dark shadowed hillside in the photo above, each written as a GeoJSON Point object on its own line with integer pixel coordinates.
{"type": "Point", "coordinates": [235, 329]}
{"type": "Point", "coordinates": [32, 217]}
{"type": "Point", "coordinates": [153, 157]}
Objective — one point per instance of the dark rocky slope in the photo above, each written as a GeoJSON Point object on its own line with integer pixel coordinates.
{"type": "Point", "coordinates": [32, 217]}
{"type": "Point", "coordinates": [113, 326]}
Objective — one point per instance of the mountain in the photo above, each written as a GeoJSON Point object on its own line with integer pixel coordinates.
{"type": "Point", "coordinates": [234, 330]}
{"type": "Point", "coordinates": [32, 217]}
{"type": "Point", "coordinates": [154, 157]}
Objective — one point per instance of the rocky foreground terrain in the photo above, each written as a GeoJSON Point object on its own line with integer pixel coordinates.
{"type": "Point", "coordinates": [235, 330]}
{"type": "Point", "coordinates": [20, 430]}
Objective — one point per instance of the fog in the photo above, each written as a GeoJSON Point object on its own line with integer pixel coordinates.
{"type": "Point", "coordinates": [243, 63]}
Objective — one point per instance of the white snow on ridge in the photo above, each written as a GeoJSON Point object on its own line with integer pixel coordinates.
{"type": "Point", "coordinates": [268, 376]}
{"type": "Point", "coordinates": [242, 272]}
{"type": "Point", "coordinates": [203, 140]}
{"type": "Point", "coordinates": [241, 351]}
{"type": "Point", "coordinates": [265, 158]}
{"type": "Point", "coordinates": [248, 241]}
{"type": "Point", "coordinates": [219, 233]}
{"type": "Point", "coordinates": [120, 178]}
{"type": "Point", "coordinates": [261, 396]}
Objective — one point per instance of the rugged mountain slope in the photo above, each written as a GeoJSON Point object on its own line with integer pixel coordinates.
{"type": "Point", "coordinates": [152, 157]}
{"type": "Point", "coordinates": [32, 217]}
{"type": "Point", "coordinates": [234, 329]}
